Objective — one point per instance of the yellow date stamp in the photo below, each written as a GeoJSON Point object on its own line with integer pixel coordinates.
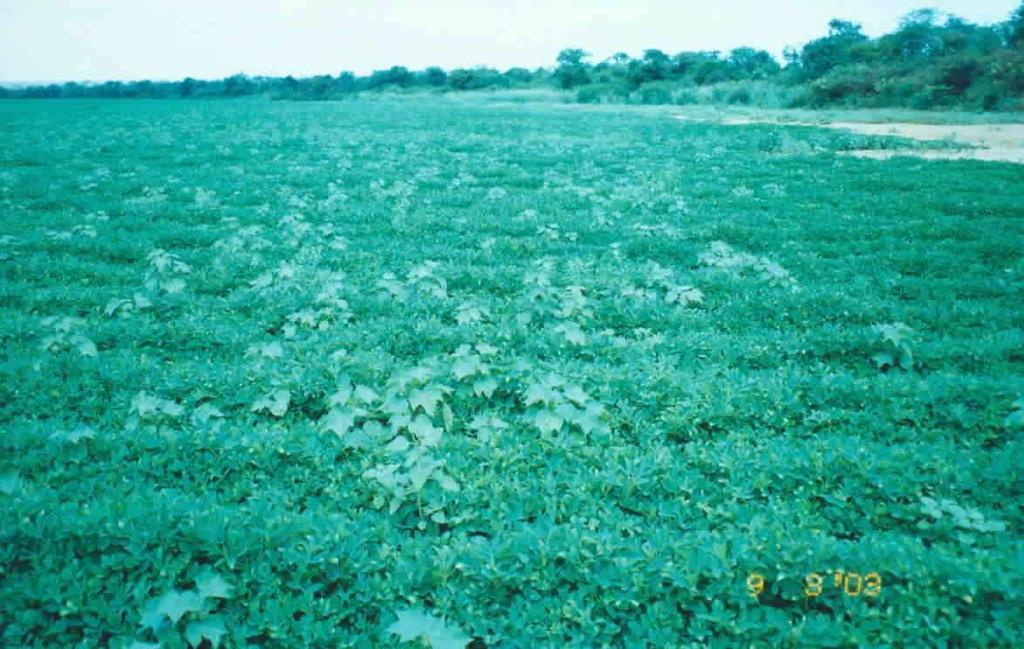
{"type": "Point", "coordinates": [850, 584]}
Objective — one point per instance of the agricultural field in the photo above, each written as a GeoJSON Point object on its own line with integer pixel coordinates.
{"type": "Point", "coordinates": [445, 374]}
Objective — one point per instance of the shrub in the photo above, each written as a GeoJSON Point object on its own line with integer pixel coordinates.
{"type": "Point", "coordinates": [655, 92]}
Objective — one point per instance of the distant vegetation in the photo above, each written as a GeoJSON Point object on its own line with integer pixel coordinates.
{"type": "Point", "coordinates": [931, 61]}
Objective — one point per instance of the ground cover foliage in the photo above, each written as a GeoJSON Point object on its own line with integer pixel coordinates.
{"type": "Point", "coordinates": [365, 375]}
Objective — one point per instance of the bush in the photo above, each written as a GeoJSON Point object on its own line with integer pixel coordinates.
{"type": "Point", "coordinates": [655, 92]}
{"type": "Point", "coordinates": [842, 84]}
{"type": "Point", "coordinates": [601, 93]}
{"type": "Point", "coordinates": [739, 96]}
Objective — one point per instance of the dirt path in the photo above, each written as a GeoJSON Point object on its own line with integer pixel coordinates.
{"type": "Point", "coordinates": [993, 142]}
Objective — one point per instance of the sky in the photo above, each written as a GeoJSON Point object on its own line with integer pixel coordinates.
{"type": "Point", "coordinates": [94, 40]}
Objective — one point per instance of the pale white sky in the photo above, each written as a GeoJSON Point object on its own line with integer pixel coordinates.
{"type": "Point", "coordinates": [58, 40]}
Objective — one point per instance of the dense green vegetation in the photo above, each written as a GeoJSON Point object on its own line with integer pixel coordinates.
{"type": "Point", "coordinates": [349, 374]}
{"type": "Point", "coordinates": [930, 61]}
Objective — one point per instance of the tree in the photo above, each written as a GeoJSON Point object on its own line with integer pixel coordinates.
{"type": "Point", "coordinates": [238, 85]}
{"type": "Point", "coordinates": [843, 29]}
{"type": "Point", "coordinates": [434, 76]}
{"type": "Point", "coordinates": [519, 75]}
{"type": "Point", "coordinates": [572, 70]}
{"type": "Point", "coordinates": [748, 63]}
{"type": "Point", "coordinates": [476, 79]}
{"type": "Point", "coordinates": [822, 55]}
{"type": "Point", "coordinates": [1017, 28]}
{"type": "Point", "coordinates": [571, 56]}
{"type": "Point", "coordinates": [656, 65]}
{"type": "Point", "coordinates": [917, 37]}
{"type": "Point", "coordinates": [346, 82]}
{"type": "Point", "coordinates": [700, 67]}
{"type": "Point", "coordinates": [396, 75]}
{"type": "Point", "coordinates": [187, 87]}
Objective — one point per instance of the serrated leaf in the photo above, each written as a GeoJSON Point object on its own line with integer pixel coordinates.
{"type": "Point", "coordinates": [415, 624]}
{"type": "Point", "coordinates": [273, 349]}
{"type": "Point", "coordinates": [573, 333]}
{"type": "Point", "coordinates": [151, 617]}
{"type": "Point", "coordinates": [466, 366]}
{"type": "Point", "coordinates": [339, 421]}
{"type": "Point", "coordinates": [576, 394]}
{"type": "Point", "coordinates": [210, 584]}
{"type": "Point", "coordinates": [276, 403]}
{"type": "Point", "coordinates": [589, 420]}
{"type": "Point", "coordinates": [883, 360]}
{"type": "Point", "coordinates": [547, 421]}
{"type": "Point", "coordinates": [365, 395]}
{"type": "Point", "coordinates": [486, 349]}
{"type": "Point", "coordinates": [485, 387]}
{"type": "Point", "coordinates": [210, 628]}
{"type": "Point", "coordinates": [447, 482]}
{"type": "Point", "coordinates": [425, 431]}
{"type": "Point", "coordinates": [425, 398]}
{"type": "Point", "coordinates": [447, 416]}
{"type": "Point", "coordinates": [175, 605]}
{"type": "Point", "coordinates": [537, 393]}
{"type": "Point", "coordinates": [398, 445]}
{"type": "Point", "coordinates": [204, 413]}
{"type": "Point", "coordinates": [420, 472]}
{"type": "Point", "coordinates": [10, 482]}
{"type": "Point", "coordinates": [173, 285]}
{"type": "Point", "coordinates": [343, 393]}
{"type": "Point", "coordinates": [115, 305]}
{"type": "Point", "coordinates": [1015, 419]}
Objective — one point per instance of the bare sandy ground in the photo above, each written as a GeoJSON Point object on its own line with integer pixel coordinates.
{"type": "Point", "coordinates": [993, 142]}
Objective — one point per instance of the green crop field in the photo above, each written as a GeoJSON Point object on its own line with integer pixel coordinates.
{"type": "Point", "coordinates": [379, 373]}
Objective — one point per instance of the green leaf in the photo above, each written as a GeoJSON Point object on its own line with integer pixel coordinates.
{"type": "Point", "coordinates": [176, 605]}
{"type": "Point", "coordinates": [339, 421]}
{"type": "Point", "coordinates": [151, 616]}
{"type": "Point", "coordinates": [537, 393]}
{"type": "Point", "coordinates": [10, 482]}
{"type": "Point", "coordinates": [414, 624]}
{"type": "Point", "coordinates": [448, 416]}
{"type": "Point", "coordinates": [210, 584]}
{"type": "Point", "coordinates": [447, 482]}
{"type": "Point", "coordinates": [365, 395]}
{"type": "Point", "coordinates": [421, 472]}
{"type": "Point", "coordinates": [466, 366]}
{"type": "Point", "coordinates": [883, 360]}
{"type": "Point", "coordinates": [547, 421]}
{"type": "Point", "coordinates": [276, 403]}
{"type": "Point", "coordinates": [210, 628]}
{"type": "Point", "coordinates": [572, 332]}
{"type": "Point", "coordinates": [173, 286]}
{"type": "Point", "coordinates": [426, 398]}
{"type": "Point", "coordinates": [1015, 419]}
{"type": "Point", "coordinates": [398, 445]}
{"type": "Point", "coordinates": [576, 394]}
{"type": "Point", "coordinates": [485, 387]}
{"type": "Point", "coordinates": [343, 393]}
{"type": "Point", "coordinates": [425, 431]}
{"type": "Point", "coordinates": [84, 346]}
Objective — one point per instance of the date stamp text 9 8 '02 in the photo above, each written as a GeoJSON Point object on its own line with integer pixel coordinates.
{"type": "Point", "coordinates": [851, 584]}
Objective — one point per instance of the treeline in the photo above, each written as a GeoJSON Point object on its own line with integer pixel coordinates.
{"type": "Point", "coordinates": [929, 61]}
{"type": "Point", "coordinates": [323, 86]}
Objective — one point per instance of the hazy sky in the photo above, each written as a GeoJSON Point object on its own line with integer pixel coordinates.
{"type": "Point", "coordinates": [57, 40]}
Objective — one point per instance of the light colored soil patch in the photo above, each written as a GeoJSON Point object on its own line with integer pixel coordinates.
{"type": "Point", "coordinates": [991, 155]}
{"type": "Point", "coordinates": [992, 142]}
